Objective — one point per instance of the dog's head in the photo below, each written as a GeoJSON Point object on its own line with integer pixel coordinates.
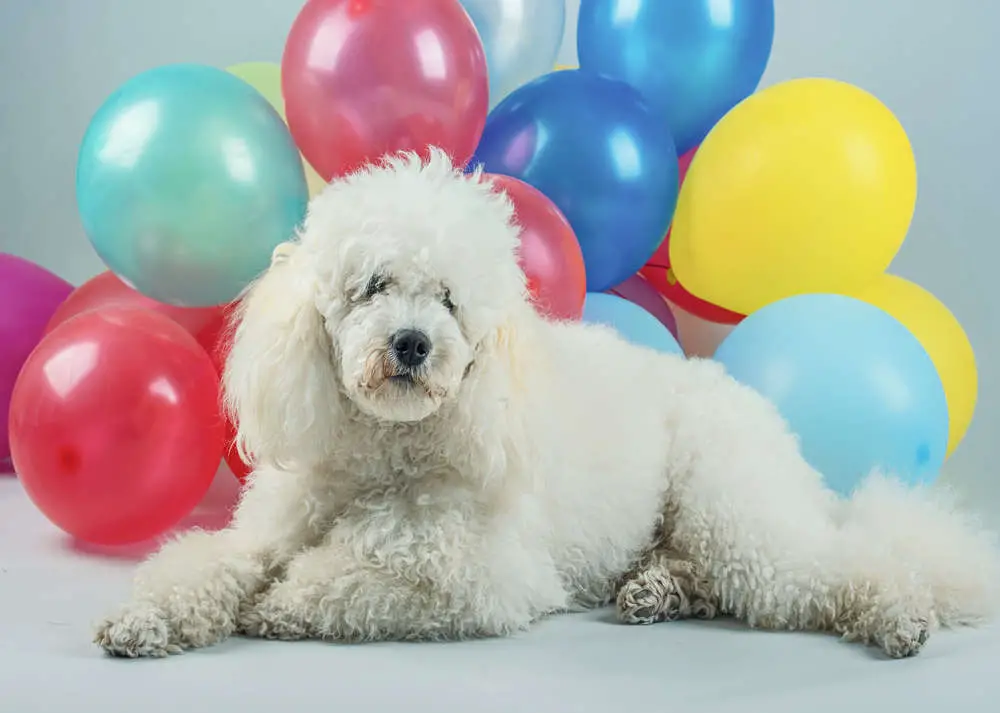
{"type": "Point", "coordinates": [404, 275]}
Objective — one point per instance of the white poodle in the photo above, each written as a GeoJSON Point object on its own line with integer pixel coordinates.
{"type": "Point", "coordinates": [435, 461]}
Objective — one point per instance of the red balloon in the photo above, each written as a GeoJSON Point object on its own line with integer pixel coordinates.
{"type": "Point", "coordinates": [662, 255]}
{"type": "Point", "coordinates": [237, 466]}
{"type": "Point", "coordinates": [231, 454]}
{"type": "Point", "coordinates": [107, 290]}
{"type": "Point", "coordinates": [550, 254]}
{"type": "Point", "coordinates": [363, 78]}
{"type": "Point", "coordinates": [661, 276]}
{"type": "Point", "coordinates": [114, 425]}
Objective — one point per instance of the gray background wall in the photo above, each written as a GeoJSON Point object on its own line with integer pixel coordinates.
{"type": "Point", "coordinates": [935, 64]}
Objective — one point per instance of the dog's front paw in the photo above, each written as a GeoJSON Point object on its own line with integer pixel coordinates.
{"type": "Point", "coordinates": [265, 617]}
{"type": "Point", "coordinates": [140, 630]}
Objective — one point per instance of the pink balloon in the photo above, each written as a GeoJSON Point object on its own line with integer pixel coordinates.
{"type": "Point", "coordinates": [363, 78]}
{"type": "Point", "coordinates": [637, 290]}
{"type": "Point", "coordinates": [29, 295]}
{"type": "Point", "coordinates": [549, 254]}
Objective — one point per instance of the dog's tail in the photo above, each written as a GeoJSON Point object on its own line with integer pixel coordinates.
{"type": "Point", "coordinates": [953, 553]}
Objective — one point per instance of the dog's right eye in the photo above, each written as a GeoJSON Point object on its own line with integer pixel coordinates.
{"type": "Point", "coordinates": [376, 285]}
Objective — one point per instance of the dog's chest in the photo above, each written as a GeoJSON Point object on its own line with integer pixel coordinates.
{"type": "Point", "coordinates": [396, 526]}
{"type": "Point", "coordinates": [396, 457]}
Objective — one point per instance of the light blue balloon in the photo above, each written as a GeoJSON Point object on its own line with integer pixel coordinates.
{"type": "Point", "coordinates": [521, 39]}
{"type": "Point", "coordinates": [631, 321]}
{"type": "Point", "coordinates": [694, 60]}
{"type": "Point", "coordinates": [186, 180]}
{"type": "Point", "coordinates": [853, 383]}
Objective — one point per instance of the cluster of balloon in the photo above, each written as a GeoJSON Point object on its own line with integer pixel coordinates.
{"type": "Point", "coordinates": [819, 182]}
{"type": "Point", "coordinates": [114, 422]}
{"type": "Point", "coordinates": [656, 189]}
{"type": "Point", "coordinates": [757, 215]}
{"type": "Point", "coordinates": [609, 141]}
{"type": "Point", "coordinates": [188, 177]}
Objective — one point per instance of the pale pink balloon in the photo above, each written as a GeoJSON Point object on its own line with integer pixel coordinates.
{"type": "Point", "coordinates": [363, 78]}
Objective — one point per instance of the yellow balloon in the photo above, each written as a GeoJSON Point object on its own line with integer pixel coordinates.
{"type": "Point", "coordinates": [265, 77]}
{"type": "Point", "coordinates": [943, 339]}
{"type": "Point", "coordinates": [806, 186]}
{"type": "Point", "coordinates": [314, 181]}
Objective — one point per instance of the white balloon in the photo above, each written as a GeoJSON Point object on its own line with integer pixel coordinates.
{"type": "Point", "coordinates": [521, 38]}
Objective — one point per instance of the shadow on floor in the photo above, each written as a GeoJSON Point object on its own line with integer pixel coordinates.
{"type": "Point", "coordinates": [212, 513]}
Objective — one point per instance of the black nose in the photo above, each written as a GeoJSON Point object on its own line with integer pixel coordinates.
{"type": "Point", "coordinates": [411, 347]}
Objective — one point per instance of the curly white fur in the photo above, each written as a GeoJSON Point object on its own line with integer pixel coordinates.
{"type": "Point", "coordinates": [521, 470]}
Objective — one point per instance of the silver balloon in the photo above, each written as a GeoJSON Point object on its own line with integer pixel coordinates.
{"type": "Point", "coordinates": [521, 37]}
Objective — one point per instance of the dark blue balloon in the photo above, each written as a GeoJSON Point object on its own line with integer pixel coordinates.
{"type": "Point", "coordinates": [694, 60]}
{"type": "Point", "coordinates": [601, 154]}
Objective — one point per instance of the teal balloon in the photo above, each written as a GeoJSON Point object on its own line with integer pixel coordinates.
{"type": "Point", "coordinates": [186, 180]}
{"type": "Point", "coordinates": [521, 39]}
{"type": "Point", "coordinates": [631, 321]}
{"type": "Point", "coordinates": [853, 383]}
{"type": "Point", "coordinates": [693, 60]}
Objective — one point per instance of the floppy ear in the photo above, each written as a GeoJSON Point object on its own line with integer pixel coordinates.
{"type": "Point", "coordinates": [496, 397]}
{"type": "Point", "coordinates": [280, 384]}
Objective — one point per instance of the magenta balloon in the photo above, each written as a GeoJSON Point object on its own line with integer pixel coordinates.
{"type": "Point", "coordinates": [638, 291]}
{"type": "Point", "coordinates": [29, 295]}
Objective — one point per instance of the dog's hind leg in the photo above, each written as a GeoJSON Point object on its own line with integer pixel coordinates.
{"type": "Point", "coordinates": [783, 558]}
{"type": "Point", "coordinates": [780, 549]}
{"type": "Point", "coordinates": [664, 586]}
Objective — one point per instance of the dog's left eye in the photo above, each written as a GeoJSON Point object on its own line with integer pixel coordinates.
{"type": "Point", "coordinates": [376, 285]}
{"type": "Point", "coordinates": [446, 301]}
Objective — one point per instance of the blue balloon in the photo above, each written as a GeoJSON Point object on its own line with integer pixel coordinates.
{"type": "Point", "coordinates": [853, 383]}
{"type": "Point", "coordinates": [601, 154]}
{"type": "Point", "coordinates": [186, 180]}
{"type": "Point", "coordinates": [631, 321]}
{"type": "Point", "coordinates": [521, 39]}
{"type": "Point", "coordinates": [694, 60]}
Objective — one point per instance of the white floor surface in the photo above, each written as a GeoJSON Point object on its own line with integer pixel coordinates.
{"type": "Point", "coordinates": [51, 592]}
